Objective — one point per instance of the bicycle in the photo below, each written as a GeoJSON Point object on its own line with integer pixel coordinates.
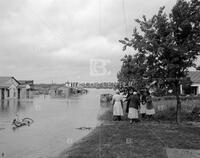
{"type": "Point", "coordinates": [24, 122]}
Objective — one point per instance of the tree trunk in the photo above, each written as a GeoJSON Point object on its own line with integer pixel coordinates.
{"type": "Point", "coordinates": [178, 105]}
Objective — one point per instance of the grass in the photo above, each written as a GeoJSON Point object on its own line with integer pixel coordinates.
{"type": "Point", "coordinates": [187, 105]}
{"type": "Point", "coordinates": [166, 109]}
{"type": "Point", "coordinates": [143, 140]}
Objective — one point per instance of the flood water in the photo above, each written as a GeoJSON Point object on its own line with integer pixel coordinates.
{"type": "Point", "coordinates": [54, 127]}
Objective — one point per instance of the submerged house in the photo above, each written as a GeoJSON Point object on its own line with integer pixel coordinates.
{"type": "Point", "coordinates": [10, 88]}
{"type": "Point", "coordinates": [26, 88]}
{"type": "Point", "coordinates": [65, 90]}
{"type": "Point", "coordinates": [60, 90]}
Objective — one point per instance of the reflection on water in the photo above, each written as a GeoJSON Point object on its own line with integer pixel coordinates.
{"type": "Point", "coordinates": [55, 124]}
{"type": "Point", "coordinates": [13, 106]}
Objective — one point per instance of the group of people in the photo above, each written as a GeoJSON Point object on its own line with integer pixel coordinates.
{"type": "Point", "coordinates": [138, 105]}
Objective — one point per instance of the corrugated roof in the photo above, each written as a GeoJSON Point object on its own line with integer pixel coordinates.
{"type": "Point", "coordinates": [194, 76]}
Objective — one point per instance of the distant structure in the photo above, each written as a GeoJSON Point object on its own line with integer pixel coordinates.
{"type": "Point", "coordinates": [27, 88]}
{"type": "Point", "coordinates": [194, 88]}
{"type": "Point", "coordinates": [59, 90]}
{"type": "Point", "coordinates": [99, 85]}
{"type": "Point", "coordinates": [66, 89]}
{"type": "Point", "coordinates": [11, 88]}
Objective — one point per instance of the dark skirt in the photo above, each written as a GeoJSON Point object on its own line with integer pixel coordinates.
{"type": "Point", "coordinates": [127, 106]}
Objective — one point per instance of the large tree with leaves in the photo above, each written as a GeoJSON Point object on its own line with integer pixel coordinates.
{"type": "Point", "coordinates": [132, 72]}
{"type": "Point", "coordinates": [169, 43]}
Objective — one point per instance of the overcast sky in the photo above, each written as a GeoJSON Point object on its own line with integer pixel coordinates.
{"type": "Point", "coordinates": [74, 40]}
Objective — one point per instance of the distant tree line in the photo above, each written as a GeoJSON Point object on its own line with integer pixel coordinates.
{"type": "Point", "coordinates": [109, 85]}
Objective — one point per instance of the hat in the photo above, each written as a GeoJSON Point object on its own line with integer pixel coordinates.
{"type": "Point", "coordinates": [134, 92]}
{"type": "Point", "coordinates": [117, 91]}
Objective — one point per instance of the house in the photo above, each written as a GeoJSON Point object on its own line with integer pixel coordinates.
{"type": "Point", "coordinates": [10, 88]}
{"type": "Point", "coordinates": [26, 87]}
{"type": "Point", "coordinates": [63, 90]}
{"type": "Point", "coordinates": [53, 90]}
{"type": "Point", "coordinates": [195, 78]}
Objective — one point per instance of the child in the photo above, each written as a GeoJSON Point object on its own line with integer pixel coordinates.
{"type": "Point", "coordinates": [143, 108]}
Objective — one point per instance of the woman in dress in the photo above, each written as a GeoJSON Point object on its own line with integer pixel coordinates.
{"type": "Point", "coordinates": [133, 107]}
{"type": "Point", "coordinates": [143, 105]}
{"type": "Point", "coordinates": [150, 111]}
{"type": "Point", "coordinates": [117, 106]}
{"type": "Point", "coordinates": [127, 100]}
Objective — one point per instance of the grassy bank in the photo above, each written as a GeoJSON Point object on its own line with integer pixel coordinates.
{"type": "Point", "coordinates": [122, 140]}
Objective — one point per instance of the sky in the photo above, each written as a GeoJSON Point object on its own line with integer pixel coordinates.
{"type": "Point", "coordinates": [68, 40]}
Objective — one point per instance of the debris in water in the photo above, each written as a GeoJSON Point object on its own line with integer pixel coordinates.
{"type": "Point", "coordinates": [2, 154]}
{"type": "Point", "coordinates": [84, 128]}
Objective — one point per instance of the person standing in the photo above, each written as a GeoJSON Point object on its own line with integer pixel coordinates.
{"type": "Point", "coordinates": [117, 106]}
{"type": "Point", "coordinates": [150, 111]}
{"type": "Point", "coordinates": [143, 109]}
{"type": "Point", "coordinates": [143, 105]}
{"type": "Point", "coordinates": [133, 107]}
{"type": "Point", "coordinates": [127, 100]}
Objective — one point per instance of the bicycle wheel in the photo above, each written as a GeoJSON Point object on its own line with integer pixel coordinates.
{"type": "Point", "coordinates": [17, 124]}
{"type": "Point", "coordinates": [27, 121]}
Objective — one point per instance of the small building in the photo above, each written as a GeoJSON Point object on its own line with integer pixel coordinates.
{"type": "Point", "coordinates": [27, 87]}
{"type": "Point", "coordinates": [65, 90]}
{"type": "Point", "coordinates": [195, 79]}
{"type": "Point", "coordinates": [10, 88]}
{"type": "Point", "coordinates": [60, 90]}
{"type": "Point", "coordinates": [53, 90]}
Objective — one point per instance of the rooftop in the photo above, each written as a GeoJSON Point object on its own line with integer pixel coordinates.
{"type": "Point", "coordinates": [194, 76]}
{"type": "Point", "coordinates": [30, 82]}
{"type": "Point", "coordinates": [5, 81]}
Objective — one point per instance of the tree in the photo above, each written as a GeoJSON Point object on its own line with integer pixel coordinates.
{"type": "Point", "coordinates": [132, 72]}
{"type": "Point", "coordinates": [169, 43]}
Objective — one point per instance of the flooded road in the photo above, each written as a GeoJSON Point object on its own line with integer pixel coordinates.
{"type": "Point", "coordinates": [54, 127]}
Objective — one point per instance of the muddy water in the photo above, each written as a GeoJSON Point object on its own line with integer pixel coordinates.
{"type": "Point", "coordinates": [54, 127]}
